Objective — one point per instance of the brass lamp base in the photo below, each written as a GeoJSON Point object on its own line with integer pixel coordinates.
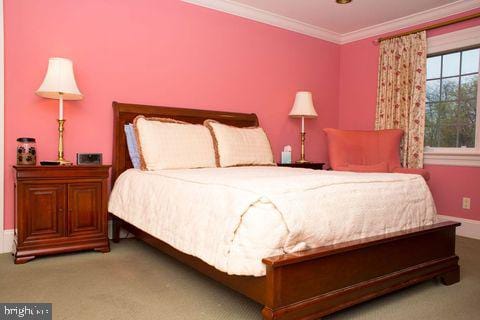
{"type": "Point", "coordinates": [60, 159]}
{"type": "Point", "coordinates": [302, 152]}
{"type": "Point", "coordinates": [302, 161]}
{"type": "Point", "coordinates": [64, 162]}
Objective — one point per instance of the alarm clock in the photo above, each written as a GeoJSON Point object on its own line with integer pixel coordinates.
{"type": "Point", "coordinates": [89, 159]}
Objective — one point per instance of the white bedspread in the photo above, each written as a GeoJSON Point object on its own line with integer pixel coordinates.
{"type": "Point", "coordinates": [231, 218]}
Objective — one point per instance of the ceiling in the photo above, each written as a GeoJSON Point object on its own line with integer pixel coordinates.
{"type": "Point", "coordinates": [325, 19]}
{"type": "Point", "coordinates": [344, 18]}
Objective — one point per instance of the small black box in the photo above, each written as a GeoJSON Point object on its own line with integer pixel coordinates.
{"type": "Point", "coordinates": [89, 159]}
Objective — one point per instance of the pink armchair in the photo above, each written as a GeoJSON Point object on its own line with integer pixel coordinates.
{"type": "Point", "coordinates": [367, 151]}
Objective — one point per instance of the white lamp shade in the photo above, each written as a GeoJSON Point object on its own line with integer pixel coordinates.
{"type": "Point", "coordinates": [59, 80]}
{"type": "Point", "coordinates": [303, 106]}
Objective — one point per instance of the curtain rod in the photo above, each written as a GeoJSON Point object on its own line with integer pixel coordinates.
{"type": "Point", "coordinates": [432, 26]}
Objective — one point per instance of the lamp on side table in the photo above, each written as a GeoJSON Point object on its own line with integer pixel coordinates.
{"type": "Point", "coordinates": [303, 108]}
{"type": "Point", "coordinates": [59, 83]}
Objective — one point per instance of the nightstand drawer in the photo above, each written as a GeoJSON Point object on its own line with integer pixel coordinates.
{"type": "Point", "coordinates": [60, 172]}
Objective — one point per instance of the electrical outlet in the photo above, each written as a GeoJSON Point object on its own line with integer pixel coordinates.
{"type": "Point", "coordinates": [466, 203]}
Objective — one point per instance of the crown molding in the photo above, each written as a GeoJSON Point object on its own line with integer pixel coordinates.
{"type": "Point", "coordinates": [411, 20]}
{"type": "Point", "coordinates": [267, 17]}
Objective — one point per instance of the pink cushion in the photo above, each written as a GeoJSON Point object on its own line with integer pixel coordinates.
{"type": "Point", "coordinates": [353, 147]}
{"type": "Point", "coordinates": [379, 167]}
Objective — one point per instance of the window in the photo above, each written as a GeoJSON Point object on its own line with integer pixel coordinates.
{"type": "Point", "coordinates": [451, 105]}
{"type": "Point", "coordinates": [452, 117]}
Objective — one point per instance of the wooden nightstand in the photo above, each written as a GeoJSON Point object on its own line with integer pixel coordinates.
{"type": "Point", "coordinates": [308, 165]}
{"type": "Point", "coordinates": [60, 209]}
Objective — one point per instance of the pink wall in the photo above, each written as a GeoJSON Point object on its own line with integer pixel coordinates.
{"type": "Point", "coordinates": [357, 99]}
{"type": "Point", "coordinates": [172, 53]}
{"type": "Point", "coordinates": [157, 52]}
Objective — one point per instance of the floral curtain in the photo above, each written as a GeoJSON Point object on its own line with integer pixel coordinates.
{"type": "Point", "coordinates": [401, 93]}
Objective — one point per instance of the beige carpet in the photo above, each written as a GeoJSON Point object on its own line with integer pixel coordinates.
{"type": "Point", "coordinates": [135, 281]}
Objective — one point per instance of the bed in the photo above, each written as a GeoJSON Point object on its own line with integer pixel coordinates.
{"type": "Point", "coordinates": [311, 283]}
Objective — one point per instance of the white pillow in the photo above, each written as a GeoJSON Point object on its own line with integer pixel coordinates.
{"type": "Point", "coordinates": [240, 146]}
{"type": "Point", "coordinates": [170, 144]}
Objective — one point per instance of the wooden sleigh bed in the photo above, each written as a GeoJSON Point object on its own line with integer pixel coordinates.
{"type": "Point", "coordinates": [316, 282]}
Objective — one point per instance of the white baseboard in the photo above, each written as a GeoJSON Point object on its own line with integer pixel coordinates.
{"type": "Point", "coordinates": [6, 241]}
{"type": "Point", "coordinates": [469, 228]}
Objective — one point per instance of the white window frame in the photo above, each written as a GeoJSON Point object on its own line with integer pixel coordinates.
{"type": "Point", "coordinates": [456, 156]}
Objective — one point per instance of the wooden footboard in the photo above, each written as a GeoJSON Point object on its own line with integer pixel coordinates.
{"type": "Point", "coordinates": [314, 283]}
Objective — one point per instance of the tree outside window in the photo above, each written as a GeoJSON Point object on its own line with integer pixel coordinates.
{"type": "Point", "coordinates": [451, 99]}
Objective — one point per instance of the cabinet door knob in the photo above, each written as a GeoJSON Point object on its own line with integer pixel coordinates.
{"type": "Point", "coordinates": [60, 210]}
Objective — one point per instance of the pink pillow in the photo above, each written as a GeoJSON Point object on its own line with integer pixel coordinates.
{"type": "Point", "coordinates": [379, 167]}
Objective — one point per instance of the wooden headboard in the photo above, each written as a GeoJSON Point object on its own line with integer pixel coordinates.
{"type": "Point", "coordinates": [124, 113]}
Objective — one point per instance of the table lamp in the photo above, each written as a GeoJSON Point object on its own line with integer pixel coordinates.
{"type": "Point", "coordinates": [59, 83]}
{"type": "Point", "coordinates": [303, 107]}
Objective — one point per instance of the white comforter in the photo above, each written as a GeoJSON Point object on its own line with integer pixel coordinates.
{"type": "Point", "coordinates": [231, 218]}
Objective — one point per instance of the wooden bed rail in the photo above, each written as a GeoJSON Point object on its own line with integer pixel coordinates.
{"type": "Point", "coordinates": [313, 283]}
